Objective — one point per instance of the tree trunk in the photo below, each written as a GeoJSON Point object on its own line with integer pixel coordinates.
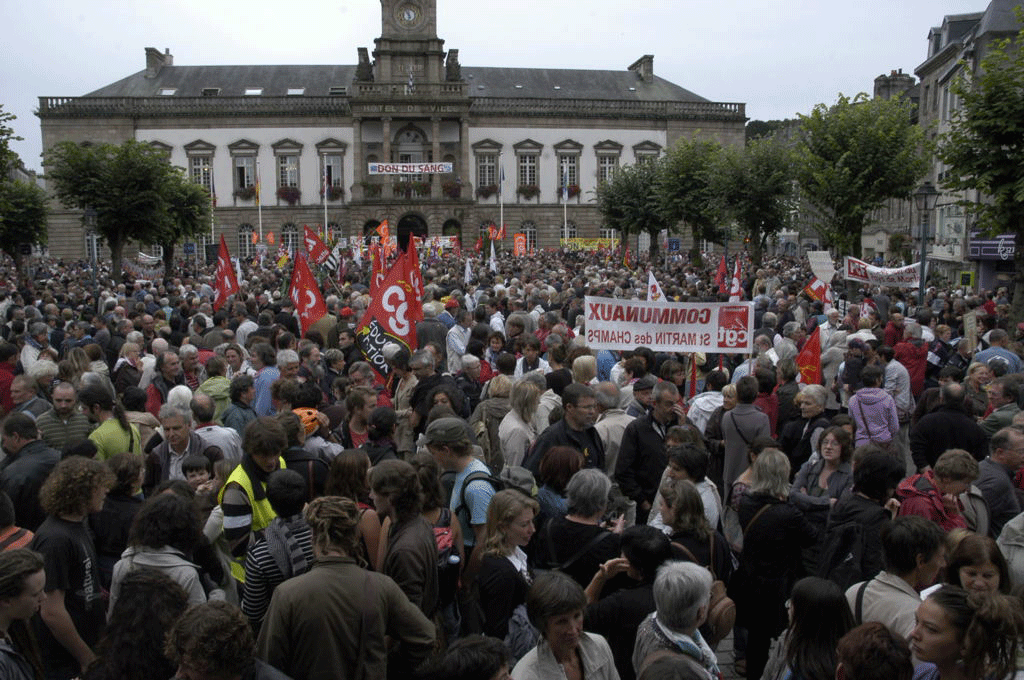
{"type": "Point", "coordinates": [168, 257]}
{"type": "Point", "coordinates": [652, 250]}
{"type": "Point", "coordinates": [116, 254]}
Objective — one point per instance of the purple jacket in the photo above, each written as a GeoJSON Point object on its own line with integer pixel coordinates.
{"type": "Point", "coordinates": [874, 414]}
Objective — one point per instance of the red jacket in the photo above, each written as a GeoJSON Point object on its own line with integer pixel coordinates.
{"type": "Point", "coordinates": [918, 496]}
{"type": "Point", "coordinates": [6, 378]}
{"type": "Point", "coordinates": [913, 354]}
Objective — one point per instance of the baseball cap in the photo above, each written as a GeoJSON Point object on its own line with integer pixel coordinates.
{"type": "Point", "coordinates": [446, 431]}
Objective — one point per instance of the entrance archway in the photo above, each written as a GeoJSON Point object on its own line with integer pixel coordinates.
{"type": "Point", "coordinates": [408, 225]}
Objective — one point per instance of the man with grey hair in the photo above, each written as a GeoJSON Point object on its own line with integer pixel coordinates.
{"type": "Point", "coordinates": [225, 438]}
{"type": "Point", "coordinates": [35, 342]}
{"type": "Point", "coordinates": [682, 596]}
{"type": "Point", "coordinates": [164, 462]}
{"type": "Point", "coordinates": [191, 370]}
{"type": "Point", "coordinates": [288, 363]}
{"type": "Point", "coordinates": [611, 422]}
{"type": "Point", "coordinates": [642, 453]}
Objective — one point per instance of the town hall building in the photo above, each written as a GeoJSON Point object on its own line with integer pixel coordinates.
{"type": "Point", "coordinates": [285, 146]}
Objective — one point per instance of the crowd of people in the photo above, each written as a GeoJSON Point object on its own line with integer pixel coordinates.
{"type": "Point", "coordinates": [216, 495]}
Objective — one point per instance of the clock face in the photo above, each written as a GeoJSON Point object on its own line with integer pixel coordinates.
{"type": "Point", "coordinates": [408, 15]}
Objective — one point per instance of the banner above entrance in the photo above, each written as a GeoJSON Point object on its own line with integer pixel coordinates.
{"type": "Point", "coordinates": [409, 168]}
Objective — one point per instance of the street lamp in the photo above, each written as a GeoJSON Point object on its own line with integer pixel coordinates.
{"type": "Point", "coordinates": [925, 198]}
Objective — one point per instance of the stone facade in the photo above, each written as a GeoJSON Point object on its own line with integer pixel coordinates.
{"type": "Point", "coordinates": [413, 101]}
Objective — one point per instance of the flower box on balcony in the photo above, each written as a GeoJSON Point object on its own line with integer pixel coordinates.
{"type": "Point", "coordinates": [290, 195]}
{"type": "Point", "coordinates": [245, 193]}
{"type": "Point", "coordinates": [528, 191]}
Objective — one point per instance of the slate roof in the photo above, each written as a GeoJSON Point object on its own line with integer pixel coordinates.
{"type": "Point", "coordinates": [189, 81]}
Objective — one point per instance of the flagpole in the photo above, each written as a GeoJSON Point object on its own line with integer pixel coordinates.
{"type": "Point", "coordinates": [259, 200]}
{"type": "Point", "coordinates": [501, 192]}
{"type": "Point", "coordinates": [323, 164]}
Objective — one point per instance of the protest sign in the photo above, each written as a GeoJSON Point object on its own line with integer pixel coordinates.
{"type": "Point", "coordinates": [671, 326]}
{"type": "Point", "coordinates": [901, 277]}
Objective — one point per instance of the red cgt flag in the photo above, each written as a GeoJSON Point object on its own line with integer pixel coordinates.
{"type": "Point", "coordinates": [393, 312]}
{"type": "Point", "coordinates": [318, 252]}
{"type": "Point", "coordinates": [808, 361]}
{"type": "Point", "coordinates": [720, 276]}
{"type": "Point", "coordinates": [226, 284]}
{"type": "Point", "coordinates": [305, 293]}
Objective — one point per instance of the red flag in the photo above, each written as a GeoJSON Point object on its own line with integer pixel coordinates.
{"type": "Point", "coordinates": [318, 252]}
{"type": "Point", "coordinates": [492, 231]}
{"type": "Point", "coordinates": [501, 232]}
{"type": "Point", "coordinates": [305, 293]}
{"type": "Point", "coordinates": [692, 391]}
{"type": "Point", "coordinates": [808, 361]}
{"type": "Point", "coordinates": [226, 284]}
{"type": "Point", "coordinates": [736, 290]}
{"type": "Point", "coordinates": [479, 243]}
{"type": "Point", "coordinates": [457, 244]}
{"type": "Point", "coordinates": [519, 241]}
{"type": "Point", "coordinates": [720, 276]}
{"type": "Point", "coordinates": [384, 231]}
{"type": "Point", "coordinates": [392, 313]}
{"type": "Point", "coordinates": [377, 275]}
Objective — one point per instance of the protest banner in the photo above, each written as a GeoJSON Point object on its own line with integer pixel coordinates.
{"type": "Point", "coordinates": [821, 264]}
{"type": "Point", "coordinates": [900, 277]}
{"type": "Point", "coordinates": [671, 326]}
{"type": "Point", "coordinates": [588, 243]}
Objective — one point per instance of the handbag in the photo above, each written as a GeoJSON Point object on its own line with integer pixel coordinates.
{"type": "Point", "coordinates": [887, 446]}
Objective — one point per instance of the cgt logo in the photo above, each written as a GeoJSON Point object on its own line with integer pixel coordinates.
{"type": "Point", "coordinates": [733, 326]}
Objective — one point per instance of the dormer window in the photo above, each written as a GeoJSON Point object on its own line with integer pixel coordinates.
{"type": "Point", "coordinates": [337, 91]}
{"type": "Point", "coordinates": [167, 91]}
{"type": "Point", "coordinates": [296, 91]}
{"type": "Point", "coordinates": [211, 91]}
{"type": "Point", "coordinates": [253, 91]}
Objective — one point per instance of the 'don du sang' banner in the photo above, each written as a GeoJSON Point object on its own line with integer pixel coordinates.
{"type": "Point", "coordinates": [719, 327]}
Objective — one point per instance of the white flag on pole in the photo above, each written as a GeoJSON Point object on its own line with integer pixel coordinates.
{"type": "Point", "coordinates": [654, 291]}
{"type": "Point", "coordinates": [469, 273]}
{"type": "Point", "coordinates": [494, 260]}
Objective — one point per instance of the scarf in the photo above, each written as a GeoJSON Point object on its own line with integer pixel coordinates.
{"type": "Point", "coordinates": [284, 548]}
{"type": "Point", "coordinates": [694, 647]}
{"type": "Point", "coordinates": [257, 476]}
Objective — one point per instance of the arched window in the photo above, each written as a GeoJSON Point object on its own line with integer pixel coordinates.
{"type": "Point", "coordinates": [569, 229]}
{"type": "Point", "coordinates": [290, 237]}
{"type": "Point", "coordinates": [530, 230]}
{"type": "Point", "coordinates": [245, 244]}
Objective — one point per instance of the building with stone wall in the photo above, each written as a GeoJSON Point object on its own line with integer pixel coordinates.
{"type": "Point", "coordinates": [295, 129]}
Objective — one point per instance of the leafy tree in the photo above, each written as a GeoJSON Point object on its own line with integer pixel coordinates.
{"type": "Point", "coordinates": [188, 212]}
{"type": "Point", "coordinates": [7, 156]}
{"type": "Point", "coordinates": [630, 202]}
{"type": "Point", "coordinates": [685, 188]}
{"type": "Point", "coordinates": [127, 185]}
{"type": "Point", "coordinates": [22, 218]}
{"type": "Point", "coordinates": [756, 129]}
{"type": "Point", "coordinates": [753, 185]}
{"type": "Point", "coordinates": [984, 148]}
{"type": "Point", "coordinates": [852, 157]}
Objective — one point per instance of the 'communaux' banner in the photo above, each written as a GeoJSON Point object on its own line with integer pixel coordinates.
{"type": "Point", "coordinates": [720, 327]}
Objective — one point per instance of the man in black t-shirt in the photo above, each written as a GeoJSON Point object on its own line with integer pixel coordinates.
{"type": "Point", "coordinates": [72, 616]}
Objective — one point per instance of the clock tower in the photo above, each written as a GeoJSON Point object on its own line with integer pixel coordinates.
{"type": "Point", "coordinates": [405, 19]}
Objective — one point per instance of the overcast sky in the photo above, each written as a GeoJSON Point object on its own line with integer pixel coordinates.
{"type": "Point", "coordinates": [780, 58]}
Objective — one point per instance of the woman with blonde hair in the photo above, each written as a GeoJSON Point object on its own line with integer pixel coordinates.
{"type": "Point", "coordinates": [774, 534]}
{"type": "Point", "coordinates": [128, 369]}
{"type": "Point", "coordinates": [584, 369]}
{"type": "Point", "coordinates": [505, 577]}
{"type": "Point", "coordinates": [516, 431]}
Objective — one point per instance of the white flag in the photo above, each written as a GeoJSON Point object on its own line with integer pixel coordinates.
{"type": "Point", "coordinates": [469, 273]}
{"type": "Point", "coordinates": [654, 291]}
{"type": "Point", "coordinates": [736, 290]}
{"type": "Point", "coordinates": [357, 252]}
{"type": "Point", "coordinates": [494, 260]}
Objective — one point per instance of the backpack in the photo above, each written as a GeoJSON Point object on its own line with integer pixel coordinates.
{"type": "Point", "coordinates": [511, 477]}
{"type": "Point", "coordinates": [448, 561]}
{"type": "Point", "coordinates": [721, 609]}
{"type": "Point", "coordinates": [842, 556]}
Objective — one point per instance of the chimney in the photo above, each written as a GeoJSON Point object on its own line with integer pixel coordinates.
{"type": "Point", "coordinates": [156, 60]}
{"type": "Point", "coordinates": [644, 67]}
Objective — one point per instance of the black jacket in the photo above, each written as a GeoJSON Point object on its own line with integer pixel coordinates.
{"type": "Point", "coordinates": [868, 513]}
{"type": "Point", "coordinates": [948, 427]}
{"type": "Point", "coordinates": [22, 475]}
{"type": "Point", "coordinates": [642, 458]}
{"type": "Point", "coordinates": [587, 442]}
